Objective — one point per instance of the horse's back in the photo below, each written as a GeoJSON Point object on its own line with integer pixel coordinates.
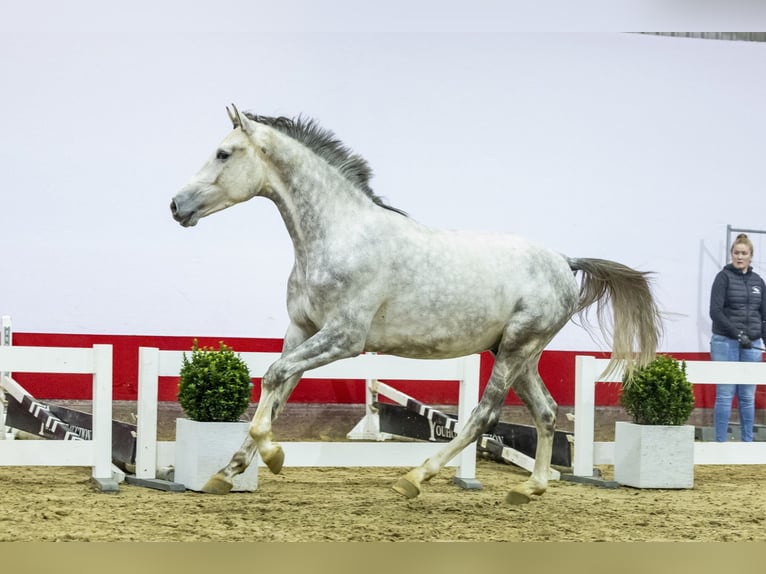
{"type": "Point", "coordinates": [500, 267]}
{"type": "Point", "coordinates": [454, 293]}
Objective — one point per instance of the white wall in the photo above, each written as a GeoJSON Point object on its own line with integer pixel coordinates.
{"type": "Point", "coordinates": [630, 147]}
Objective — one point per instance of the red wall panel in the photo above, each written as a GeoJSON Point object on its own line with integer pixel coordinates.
{"type": "Point", "coordinates": [556, 369]}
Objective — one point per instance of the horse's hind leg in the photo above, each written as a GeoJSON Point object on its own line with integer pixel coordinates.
{"type": "Point", "coordinates": [482, 417]}
{"type": "Point", "coordinates": [530, 389]}
{"type": "Point", "coordinates": [518, 370]}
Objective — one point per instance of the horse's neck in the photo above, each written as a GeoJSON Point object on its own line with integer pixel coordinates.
{"type": "Point", "coordinates": [313, 198]}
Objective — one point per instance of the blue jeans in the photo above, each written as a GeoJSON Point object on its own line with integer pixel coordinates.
{"type": "Point", "coordinates": [726, 349]}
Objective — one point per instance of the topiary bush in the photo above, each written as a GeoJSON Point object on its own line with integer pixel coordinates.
{"type": "Point", "coordinates": [215, 386]}
{"type": "Point", "coordinates": [659, 394]}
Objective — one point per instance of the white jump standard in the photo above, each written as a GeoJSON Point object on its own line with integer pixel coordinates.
{"type": "Point", "coordinates": [97, 452]}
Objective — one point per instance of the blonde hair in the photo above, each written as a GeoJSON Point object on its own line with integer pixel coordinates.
{"type": "Point", "coordinates": [744, 240]}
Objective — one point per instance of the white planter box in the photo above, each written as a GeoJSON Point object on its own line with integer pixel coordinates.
{"type": "Point", "coordinates": [654, 456]}
{"type": "Point", "coordinates": [203, 448]}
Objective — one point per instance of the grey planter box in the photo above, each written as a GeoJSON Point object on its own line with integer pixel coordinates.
{"type": "Point", "coordinates": [203, 448]}
{"type": "Point", "coordinates": [654, 456]}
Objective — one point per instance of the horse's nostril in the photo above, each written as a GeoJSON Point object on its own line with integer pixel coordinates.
{"type": "Point", "coordinates": [173, 207]}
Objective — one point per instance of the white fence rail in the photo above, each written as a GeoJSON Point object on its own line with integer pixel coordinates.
{"type": "Point", "coordinates": [588, 453]}
{"type": "Point", "coordinates": [154, 363]}
{"type": "Point", "coordinates": [96, 453]}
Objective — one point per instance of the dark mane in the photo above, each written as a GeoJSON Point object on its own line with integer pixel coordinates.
{"type": "Point", "coordinates": [326, 145]}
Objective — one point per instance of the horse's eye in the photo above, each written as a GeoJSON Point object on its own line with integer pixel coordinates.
{"type": "Point", "coordinates": [222, 155]}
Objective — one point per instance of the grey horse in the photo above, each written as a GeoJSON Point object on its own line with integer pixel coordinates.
{"type": "Point", "coordinates": [367, 277]}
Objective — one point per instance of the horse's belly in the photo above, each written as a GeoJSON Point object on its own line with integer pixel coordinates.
{"type": "Point", "coordinates": [432, 341]}
{"type": "Point", "coordinates": [471, 316]}
{"type": "Point", "coordinates": [415, 349]}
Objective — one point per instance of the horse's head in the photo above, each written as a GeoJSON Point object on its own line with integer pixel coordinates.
{"type": "Point", "coordinates": [234, 173]}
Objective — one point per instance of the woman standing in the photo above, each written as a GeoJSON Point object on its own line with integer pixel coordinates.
{"type": "Point", "coordinates": [738, 311]}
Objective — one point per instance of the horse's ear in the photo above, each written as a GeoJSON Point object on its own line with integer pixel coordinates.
{"type": "Point", "coordinates": [240, 120]}
{"type": "Point", "coordinates": [233, 117]}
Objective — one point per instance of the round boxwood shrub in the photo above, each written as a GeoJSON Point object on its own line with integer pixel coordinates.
{"type": "Point", "coordinates": [215, 385]}
{"type": "Point", "coordinates": [659, 394]}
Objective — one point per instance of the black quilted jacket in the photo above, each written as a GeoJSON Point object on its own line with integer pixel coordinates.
{"type": "Point", "coordinates": [738, 303]}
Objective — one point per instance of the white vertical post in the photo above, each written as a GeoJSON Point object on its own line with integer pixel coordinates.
{"type": "Point", "coordinates": [5, 340]}
{"type": "Point", "coordinates": [371, 418]}
{"type": "Point", "coordinates": [468, 398]}
{"type": "Point", "coordinates": [146, 427]}
{"type": "Point", "coordinates": [584, 423]}
{"type": "Point", "coordinates": [371, 425]}
{"type": "Point", "coordinates": [102, 412]}
{"type": "Point", "coordinates": [368, 428]}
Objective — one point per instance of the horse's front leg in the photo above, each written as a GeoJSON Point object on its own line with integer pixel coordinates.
{"type": "Point", "coordinates": [259, 440]}
{"type": "Point", "coordinates": [276, 386]}
{"type": "Point", "coordinates": [223, 481]}
{"type": "Point", "coordinates": [268, 407]}
{"type": "Point", "coordinates": [272, 402]}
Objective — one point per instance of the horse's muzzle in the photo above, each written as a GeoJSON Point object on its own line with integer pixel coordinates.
{"type": "Point", "coordinates": [185, 219]}
{"type": "Point", "coordinates": [174, 209]}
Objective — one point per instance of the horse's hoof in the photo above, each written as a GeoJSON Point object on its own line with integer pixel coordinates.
{"type": "Point", "coordinates": [217, 484]}
{"type": "Point", "coordinates": [516, 498]}
{"type": "Point", "coordinates": [406, 488]}
{"type": "Point", "coordinates": [276, 460]}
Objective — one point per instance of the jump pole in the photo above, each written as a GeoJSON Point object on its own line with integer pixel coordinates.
{"type": "Point", "coordinates": [434, 416]}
